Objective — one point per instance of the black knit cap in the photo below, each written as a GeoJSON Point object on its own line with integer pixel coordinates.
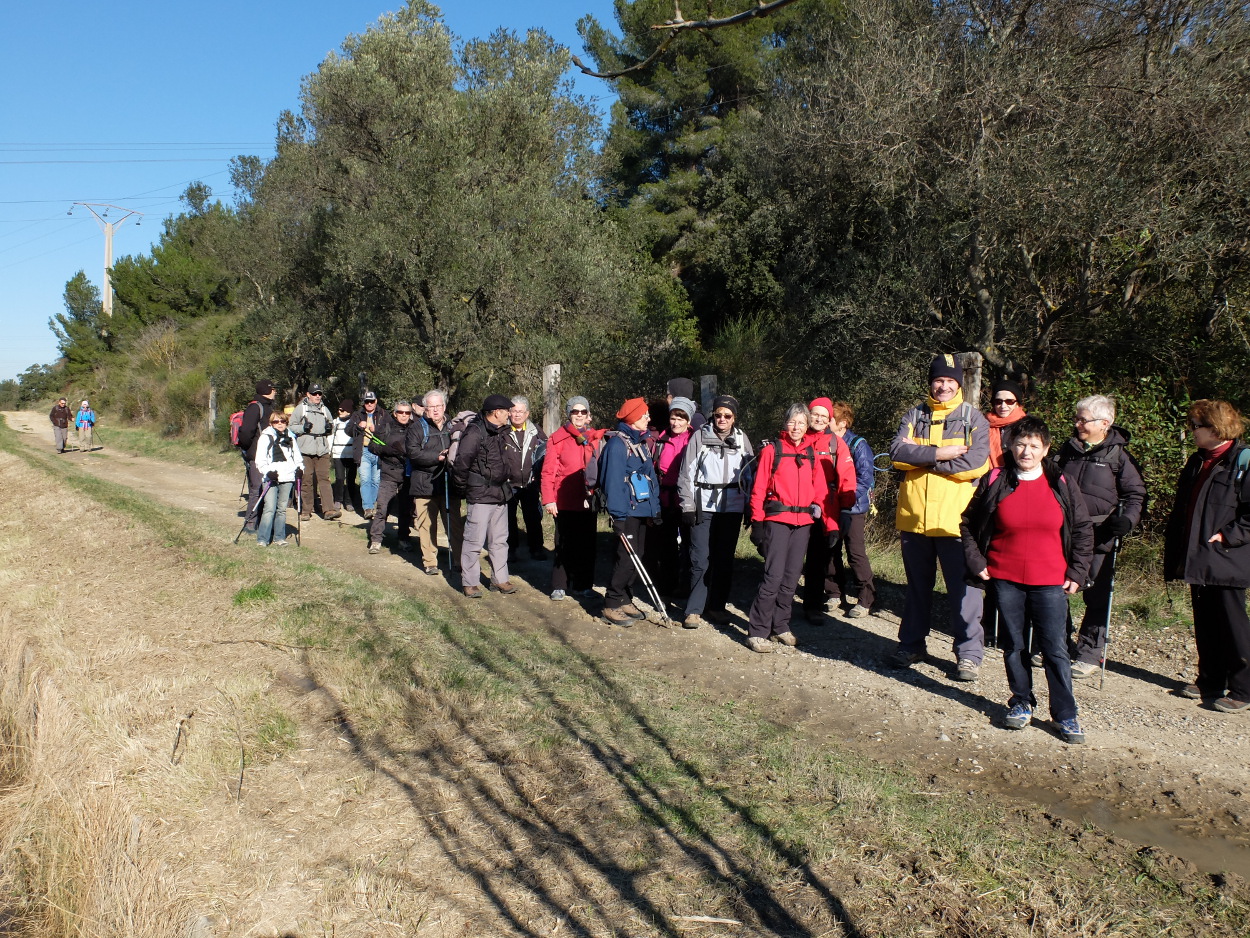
{"type": "Point", "coordinates": [946, 366]}
{"type": "Point", "coordinates": [728, 401]}
{"type": "Point", "coordinates": [681, 387]}
{"type": "Point", "coordinates": [1006, 384]}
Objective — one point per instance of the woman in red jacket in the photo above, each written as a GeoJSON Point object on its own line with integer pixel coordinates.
{"type": "Point", "coordinates": [789, 495]}
{"type": "Point", "coordinates": [565, 498]}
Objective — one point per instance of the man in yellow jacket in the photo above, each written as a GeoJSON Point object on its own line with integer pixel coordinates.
{"type": "Point", "coordinates": [943, 447]}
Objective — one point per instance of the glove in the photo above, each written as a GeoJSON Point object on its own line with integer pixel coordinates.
{"type": "Point", "coordinates": [835, 538]}
{"type": "Point", "coordinates": [655, 522]}
{"type": "Point", "coordinates": [688, 519]}
{"type": "Point", "coordinates": [758, 535]}
{"type": "Point", "coordinates": [299, 473]}
{"type": "Point", "coordinates": [618, 525]}
{"type": "Point", "coordinates": [1118, 525]}
{"type": "Point", "coordinates": [272, 477]}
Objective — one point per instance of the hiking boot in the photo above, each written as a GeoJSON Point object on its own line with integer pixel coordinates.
{"type": "Point", "coordinates": [369, 513]}
{"type": "Point", "coordinates": [305, 517]}
{"type": "Point", "coordinates": [1231, 705]}
{"type": "Point", "coordinates": [618, 617]}
{"type": "Point", "coordinates": [633, 611]}
{"type": "Point", "coordinates": [539, 553]}
{"type": "Point", "coordinates": [1018, 716]}
{"type": "Point", "coordinates": [716, 616]}
{"type": "Point", "coordinates": [431, 570]}
{"type": "Point", "coordinates": [692, 622]}
{"type": "Point", "coordinates": [967, 670]}
{"type": "Point", "coordinates": [905, 659]}
{"type": "Point", "coordinates": [558, 596]}
{"type": "Point", "coordinates": [817, 616]}
{"type": "Point", "coordinates": [473, 592]}
{"type": "Point", "coordinates": [1082, 670]}
{"type": "Point", "coordinates": [1071, 731]}
{"type": "Point", "coordinates": [858, 612]}
{"type": "Point", "coordinates": [375, 547]}
{"type": "Point", "coordinates": [785, 638]}
{"type": "Point", "coordinates": [757, 644]}
{"type": "Point", "coordinates": [1191, 692]}
{"type": "Point", "coordinates": [507, 587]}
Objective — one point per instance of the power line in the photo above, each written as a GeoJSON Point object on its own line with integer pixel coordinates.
{"type": "Point", "coordinates": [204, 159]}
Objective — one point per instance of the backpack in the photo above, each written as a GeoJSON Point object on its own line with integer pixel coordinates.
{"type": "Point", "coordinates": [639, 482]}
{"type": "Point", "coordinates": [598, 501]}
{"type": "Point", "coordinates": [773, 505]}
{"type": "Point", "coordinates": [456, 429]}
{"type": "Point", "coordinates": [236, 424]}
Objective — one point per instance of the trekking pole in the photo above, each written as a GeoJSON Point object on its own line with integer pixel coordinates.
{"type": "Point", "coordinates": [299, 506]}
{"type": "Point", "coordinates": [1106, 627]}
{"type": "Point", "coordinates": [95, 438]}
{"type": "Point", "coordinates": [447, 516]}
{"type": "Point", "coordinates": [646, 580]}
{"type": "Point", "coordinates": [247, 514]}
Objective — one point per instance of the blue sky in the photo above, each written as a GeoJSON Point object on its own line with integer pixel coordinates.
{"type": "Point", "coordinates": [126, 103]}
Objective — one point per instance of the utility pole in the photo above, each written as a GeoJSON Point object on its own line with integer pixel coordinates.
{"type": "Point", "coordinates": [108, 227]}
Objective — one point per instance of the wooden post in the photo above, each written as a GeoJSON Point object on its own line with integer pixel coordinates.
{"type": "Point", "coordinates": [971, 364]}
{"type": "Point", "coordinates": [212, 406]}
{"type": "Point", "coordinates": [553, 414]}
{"type": "Point", "coordinates": [707, 393]}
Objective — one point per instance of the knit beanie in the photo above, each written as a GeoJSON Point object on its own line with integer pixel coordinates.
{"type": "Point", "coordinates": [945, 366]}
{"type": "Point", "coordinates": [822, 402]}
{"type": "Point", "coordinates": [1006, 384]}
{"type": "Point", "coordinates": [684, 404]}
{"type": "Point", "coordinates": [727, 401]}
{"type": "Point", "coordinates": [681, 387]}
{"type": "Point", "coordinates": [347, 404]}
{"type": "Point", "coordinates": [575, 403]}
{"type": "Point", "coordinates": [632, 409]}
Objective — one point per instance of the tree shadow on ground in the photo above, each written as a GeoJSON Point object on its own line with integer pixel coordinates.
{"type": "Point", "coordinates": [535, 836]}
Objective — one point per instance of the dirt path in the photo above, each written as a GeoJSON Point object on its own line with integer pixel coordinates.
{"type": "Point", "coordinates": [1157, 769]}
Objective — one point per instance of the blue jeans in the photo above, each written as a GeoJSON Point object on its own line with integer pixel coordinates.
{"type": "Point", "coordinates": [1046, 607]}
{"type": "Point", "coordinates": [273, 514]}
{"type": "Point", "coordinates": [370, 479]}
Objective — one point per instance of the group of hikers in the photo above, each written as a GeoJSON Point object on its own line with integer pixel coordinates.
{"type": "Point", "coordinates": [1015, 528]}
{"type": "Point", "coordinates": [84, 424]}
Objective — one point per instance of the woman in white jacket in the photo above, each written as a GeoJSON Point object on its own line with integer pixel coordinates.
{"type": "Point", "coordinates": [715, 476]}
{"type": "Point", "coordinates": [280, 464]}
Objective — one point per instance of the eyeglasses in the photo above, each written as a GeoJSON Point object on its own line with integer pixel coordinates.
{"type": "Point", "coordinates": [1082, 421]}
{"type": "Point", "coordinates": [577, 413]}
{"type": "Point", "coordinates": [1004, 402]}
{"type": "Point", "coordinates": [722, 416]}
{"type": "Point", "coordinates": [279, 420]}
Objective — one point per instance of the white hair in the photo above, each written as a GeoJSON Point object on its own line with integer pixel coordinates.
{"type": "Point", "coordinates": [425, 398]}
{"type": "Point", "coordinates": [1100, 407]}
{"type": "Point", "coordinates": [521, 401]}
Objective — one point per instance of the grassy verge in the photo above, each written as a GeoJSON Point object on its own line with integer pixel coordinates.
{"type": "Point", "coordinates": [622, 802]}
{"type": "Point", "coordinates": [144, 441]}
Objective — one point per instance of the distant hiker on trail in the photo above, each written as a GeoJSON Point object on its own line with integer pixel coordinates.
{"type": "Point", "coordinates": [715, 479]}
{"type": "Point", "coordinates": [84, 420]}
{"type": "Point", "coordinates": [566, 497]}
{"type": "Point", "coordinates": [280, 464]}
{"type": "Point", "coordinates": [1097, 461]}
{"type": "Point", "coordinates": [481, 471]}
{"type": "Point", "coordinates": [364, 423]}
{"type": "Point", "coordinates": [312, 425]}
{"type": "Point", "coordinates": [942, 447]}
{"type": "Point", "coordinates": [789, 496]}
{"type": "Point", "coordinates": [255, 422]}
{"type": "Point", "coordinates": [1207, 545]}
{"type": "Point", "coordinates": [525, 446]}
{"type": "Point", "coordinates": [346, 490]}
{"type": "Point", "coordinates": [835, 460]}
{"type": "Point", "coordinates": [1028, 538]}
{"type": "Point", "coordinates": [668, 544]}
{"type": "Point", "coordinates": [1006, 410]}
{"type": "Point", "coordinates": [630, 486]}
{"type": "Point", "coordinates": [852, 521]}
{"type": "Point", "coordinates": [60, 416]}
{"type": "Point", "coordinates": [435, 506]}
{"type": "Point", "coordinates": [388, 443]}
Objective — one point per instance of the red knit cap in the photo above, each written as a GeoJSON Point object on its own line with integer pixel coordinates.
{"type": "Point", "coordinates": [632, 409]}
{"type": "Point", "coordinates": [822, 402]}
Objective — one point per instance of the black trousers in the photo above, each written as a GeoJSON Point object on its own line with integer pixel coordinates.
{"type": "Point", "coordinates": [668, 554]}
{"type": "Point", "coordinates": [623, 571]}
{"type": "Point", "coordinates": [346, 489]}
{"type": "Point", "coordinates": [783, 560]}
{"type": "Point", "coordinates": [853, 541]}
{"type": "Point", "coordinates": [712, 544]}
{"type": "Point", "coordinates": [574, 566]}
{"type": "Point", "coordinates": [1222, 634]}
{"type": "Point", "coordinates": [532, 512]}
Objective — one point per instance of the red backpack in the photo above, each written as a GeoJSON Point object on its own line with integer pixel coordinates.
{"type": "Point", "coordinates": [236, 424]}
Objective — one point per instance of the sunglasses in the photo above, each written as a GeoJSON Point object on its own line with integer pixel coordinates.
{"type": "Point", "coordinates": [575, 413]}
{"type": "Point", "coordinates": [722, 416]}
{"type": "Point", "coordinates": [1004, 401]}
{"type": "Point", "coordinates": [403, 413]}
{"type": "Point", "coordinates": [280, 420]}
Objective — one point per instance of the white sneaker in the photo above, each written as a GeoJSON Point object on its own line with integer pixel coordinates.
{"type": "Point", "coordinates": [557, 595]}
{"type": "Point", "coordinates": [757, 644]}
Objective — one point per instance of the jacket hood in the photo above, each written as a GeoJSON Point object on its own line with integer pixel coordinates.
{"type": "Point", "coordinates": [1116, 436]}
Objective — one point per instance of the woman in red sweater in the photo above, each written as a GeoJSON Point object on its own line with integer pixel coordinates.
{"type": "Point", "coordinates": [1028, 534]}
{"type": "Point", "coordinates": [790, 494]}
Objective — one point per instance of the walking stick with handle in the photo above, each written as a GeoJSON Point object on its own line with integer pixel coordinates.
{"type": "Point", "coordinates": [299, 505]}
{"type": "Point", "coordinates": [1106, 626]}
{"type": "Point", "coordinates": [652, 592]}
{"type": "Point", "coordinates": [247, 515]}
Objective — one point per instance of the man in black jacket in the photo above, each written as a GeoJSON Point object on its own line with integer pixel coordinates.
{"type": "Point", "coordinates": [255, 421]}
{"type": "Point", "coordinates": [389, 442]}
{"type": "Point", "coordinates": [60, 416]}
{"type": "Point", "coordinates": [432, 495]}
{"type": "Point", "coordinates": [1096, 461]}
{"type": "Point", "coordinates": [482, 473]}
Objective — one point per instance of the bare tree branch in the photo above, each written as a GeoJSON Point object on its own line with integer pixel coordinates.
{"type": "Point", "coordinates": [678, 25]}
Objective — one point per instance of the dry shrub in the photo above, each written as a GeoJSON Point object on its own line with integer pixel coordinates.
{"type": "Point", "coordinates": [74, 857]}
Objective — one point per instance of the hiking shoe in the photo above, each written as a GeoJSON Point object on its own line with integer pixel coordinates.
{"type": "Point", "coordinates": [369, 513]}
{"type": "Point", "coordinates": [507, 587]}
{"type": "Point", "coordinates": [858, 612]}
{"type": "Point", "coordinates": [967, 670]}
{"type": "Point", "coordinates": [785, 638]}
{"type": "Point", "coordinates": [1071, 731]}
{"type": "Point", "coordinates": [1018, 716]}
{"type": "Point", "coordinates": [584, 594]}
{"type": "Point", "coordinates": [405, 546]}
{"type": "Point", "coordinates": [375, 547]}
{"type": "Point", "coordinates": [431, 570]}
{"type": "Point", "coordinates": [757, 644]}
{"type": "Point", "coordinates": [817, 616]}
{"type": "Point", "coordinates": [633, 611]}
{"type": "Point", "coordinates": [261, 544]}
{"type": "Point", "coordinates": [305, 517]}
{"type": "Point", "coordinates": [905, 659]}
{"type": "Point", "coordinates": [1191, 692]}
{"type": "Point", "coordinates": [473, 592]}
{"type": "Point", "coordinates": [1037, 661]}
{"type": "Point", "coordinates": [692, 621]}
{"type": "Point", "coordinates": [281, 543]}
{"type": "Point", "coordinates": [1081, 670]}
{"type": "Point", "coordinates": [1231, 705]}
{"type": "Point", "coordinates": [716, 616]}
{"type": "Point", "coordinates": [333, 515]}
{"type": "Point", "coordinates": [618, 617]}
{"type": "Point", "coordinates": [558, 595]}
